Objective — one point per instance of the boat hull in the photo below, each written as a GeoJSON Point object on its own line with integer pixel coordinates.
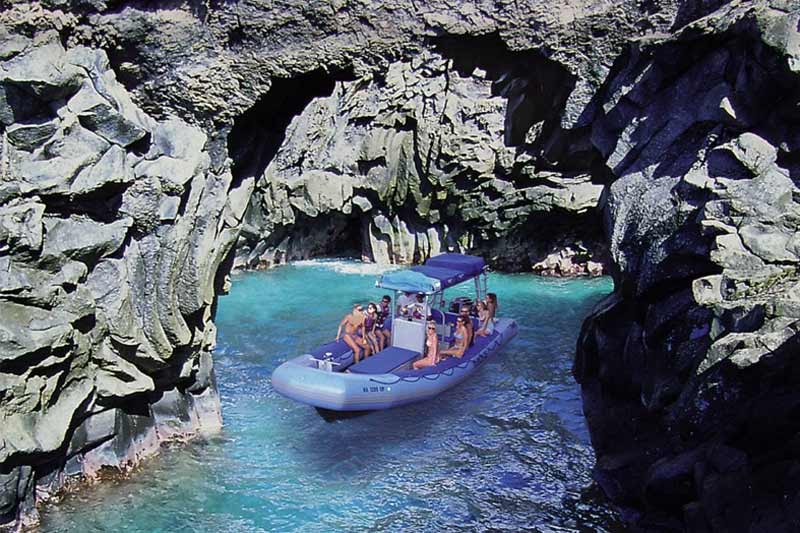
{"type": "Point", "coordinates": [299, 379]}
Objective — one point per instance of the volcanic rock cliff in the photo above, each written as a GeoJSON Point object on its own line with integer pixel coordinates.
{"type": "Point", "coordinates": [689, 369]}
{"type": "Point", "coordinates": [141, 139]}
{"type": "Point", "coordinates": [458, 148]}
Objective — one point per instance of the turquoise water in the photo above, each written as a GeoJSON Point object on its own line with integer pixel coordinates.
{"type": "Point", "coordinates": [507, 449]}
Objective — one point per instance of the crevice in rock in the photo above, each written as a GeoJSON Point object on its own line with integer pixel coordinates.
{"type": "Point", "coordinates": [364, 166]}
{"type": "Point", "coordinates": [101, 205]}
{"type": "Point", "coordinates": [21, 365]}
{"type": "Point", "coordinates": [326, 235]}
{"type": "Point", "coordinates": [141, 146]}
{"type": "Point", "coordinates": [126, 62]}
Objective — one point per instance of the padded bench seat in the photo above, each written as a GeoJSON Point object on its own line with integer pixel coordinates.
{"type": "Point", "coordinates": [340, 353]}
{"type": "Point", "coordinates": [385, 361]}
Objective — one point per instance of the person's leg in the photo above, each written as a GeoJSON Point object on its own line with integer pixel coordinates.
{"type": "Point", "coordinates": [379, 338]}
{"type": "Point", "coordinates": [366, 346]}
{"type": "Point", "coordinates": [422, 363]}
{"type": "Point", "coordinates": [351, 342]}
{"type": "Point", "coordinates": [373, 343]}
{"type": "Point", "coordinates": [387, 333]}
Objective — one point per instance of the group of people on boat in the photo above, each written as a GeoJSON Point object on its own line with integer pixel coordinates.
{"type": "Point", "coordinates": [464, 335]}
{"type": "Point", "coordinates": [366, 332]}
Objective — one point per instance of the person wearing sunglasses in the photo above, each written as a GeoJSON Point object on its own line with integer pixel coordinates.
{"type": "Point", "coordinates": [431, 348]}
{"type": "Point", "coordinates": [465, 314]}
{"type": "Point", "coordinates": [462, 339]}
{"type": "Point", "coordinates": [374, 339]}
{"type": "Point", "coordinates": [381, 328]}
{"type": "Point", "coordinates": [351, 323]}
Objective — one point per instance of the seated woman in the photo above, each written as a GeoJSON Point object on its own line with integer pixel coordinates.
{"type": "Point", "coordinates": [462, 339]}
{"type": "Point", "coordinates": [431, 348]}
{"type": "Point", "coordinates": [370, 328]}
{"type": "Point", "coordinates": [486, 321]}
{"type": "Point", "coordinates": [352, 322]}
{"type": "Point", "coordinates": [491, 304]}
{"type": "Point", "coordinates": [465, 314]}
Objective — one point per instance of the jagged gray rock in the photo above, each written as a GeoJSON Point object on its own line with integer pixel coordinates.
{"type": "Point", "coordinates": [105, 278]}
{"type": "Point", "coordinates": [677, 119]}
{"type": "Point", "coordinates": [696, 344]}
{"type": "Point", "coordinates": [418, 161]}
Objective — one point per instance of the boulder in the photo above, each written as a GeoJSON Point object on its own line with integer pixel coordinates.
{"type": "Point", "coordinates": [172, 173]}
{"type": "Point", "coordinates": [52, 175]}
{"type": "Point", "coordinates": [110, 169]}
{"type": "Point", "coordinates": [102, 105]}
{"type": "Point", "coordinates": [31, 134]}
{"type": "Point", "coordinates": [116, 378]}
{"type": "Point", "coordinates": [43, 69]}
{"type": "Point", "coordinates": [26, 331]}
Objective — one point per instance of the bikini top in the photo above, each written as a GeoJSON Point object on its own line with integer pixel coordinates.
{"type": "Point", "coordinates": [369, 322]}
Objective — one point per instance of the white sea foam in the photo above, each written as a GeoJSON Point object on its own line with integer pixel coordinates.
{"type": "Point", "coordinates": [347, 266]}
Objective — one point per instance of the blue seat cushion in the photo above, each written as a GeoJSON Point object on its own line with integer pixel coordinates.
{"type": "Point", "coordinates": [339, 350]}
{"type": "Point", "coordinates": [384, 361]}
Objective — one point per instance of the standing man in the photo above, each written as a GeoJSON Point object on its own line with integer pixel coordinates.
{"type": "Point", "coordinates": [404, 301]}
{"type": "Point", "coordinates": [384, 313]}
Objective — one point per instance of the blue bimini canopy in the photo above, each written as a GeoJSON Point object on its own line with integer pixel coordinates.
{"type": "Point", "coordinates": [470, 265]}
{"type": "Point", "coordinates": [422, 278]}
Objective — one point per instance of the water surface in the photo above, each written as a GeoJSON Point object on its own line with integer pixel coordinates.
{"type": "Point", "coordinates": [506, 450]}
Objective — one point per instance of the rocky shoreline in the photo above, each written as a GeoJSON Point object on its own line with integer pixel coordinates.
{"type": "Point", "coordinates": [142, 140]}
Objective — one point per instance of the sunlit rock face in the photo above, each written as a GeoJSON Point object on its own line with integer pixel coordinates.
{"type": "Point", "coordinates": [112, 231]}
{"type": "Point", "coordinates": [140, 139]}
{"type": "Point", "coordinates": [430, 156]}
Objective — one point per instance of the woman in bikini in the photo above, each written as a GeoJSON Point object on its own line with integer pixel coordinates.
{"type": "Point", "coordinates": [486, 321]}
{"type": "Point", "coordinates": [371, 328]}
{"type": "Point", "coordinates": [431, 348]}
{"type": "Point", "coordinates": [351, 324]}
{"type": "Point", "coordinates": [462, 339]}
{"type": "Point", "coordinates": [491, 304]}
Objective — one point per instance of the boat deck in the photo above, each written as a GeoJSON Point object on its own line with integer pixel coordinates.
{"type": "Point", "coordinates": [385, 361]}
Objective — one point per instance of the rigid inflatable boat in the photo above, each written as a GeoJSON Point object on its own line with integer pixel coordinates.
{"type": "Point", "coordinates": [327, 378]}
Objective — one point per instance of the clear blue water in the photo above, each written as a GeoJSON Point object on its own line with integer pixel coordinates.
{"type": "Point", "coordinates": [508, 449]}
